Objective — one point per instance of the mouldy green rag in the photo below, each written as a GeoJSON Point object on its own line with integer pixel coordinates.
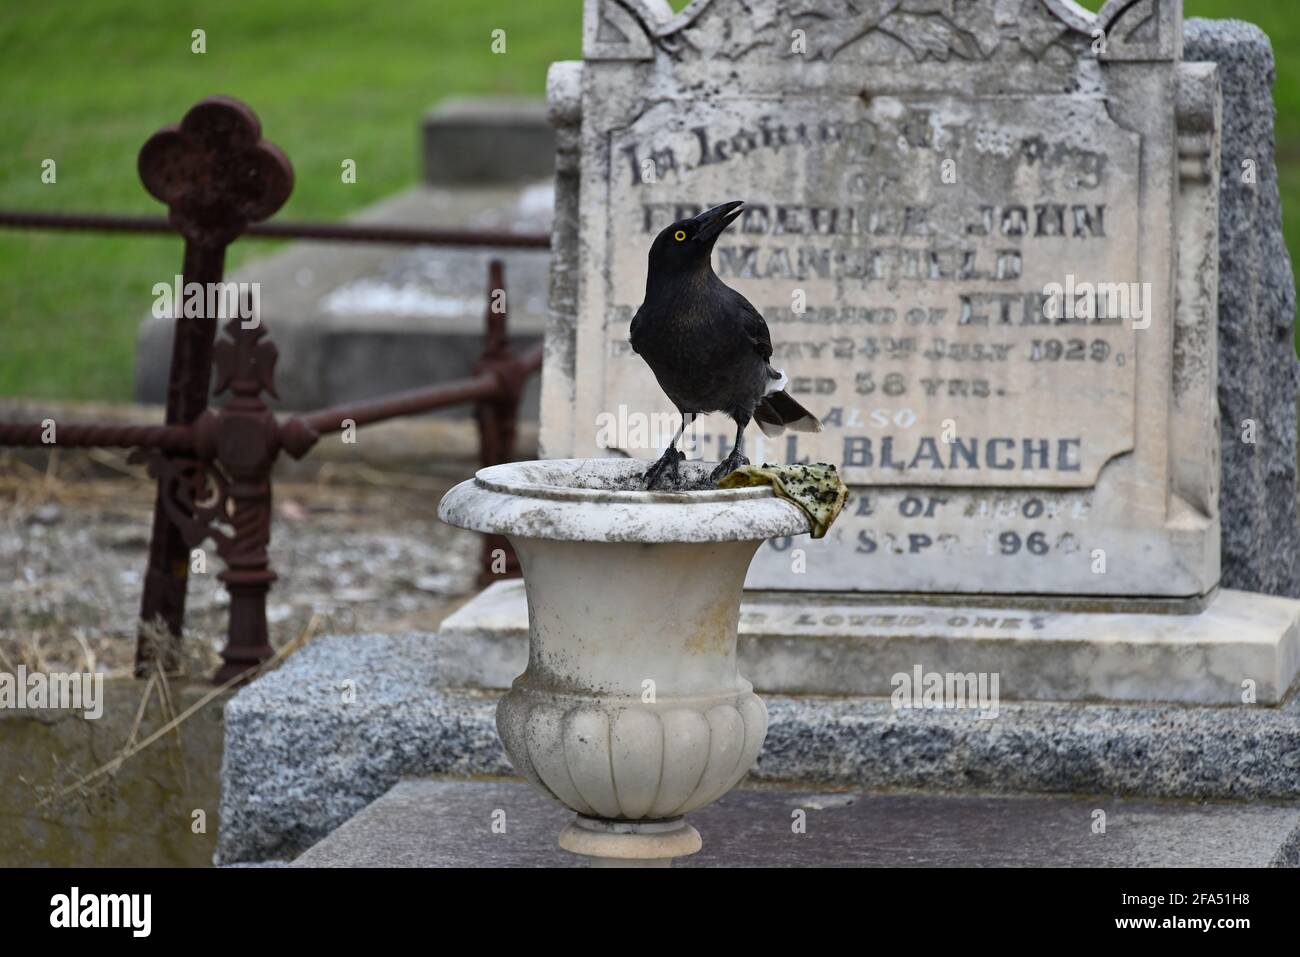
{"type": "Point", "coordinates": [816, 489]}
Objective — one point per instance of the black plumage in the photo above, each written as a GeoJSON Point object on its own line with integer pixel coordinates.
{"type": "Point", "coordinates": [707, 346]}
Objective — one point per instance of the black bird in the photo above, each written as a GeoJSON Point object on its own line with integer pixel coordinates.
{"type": "Point", "coordinates": [708, 347]}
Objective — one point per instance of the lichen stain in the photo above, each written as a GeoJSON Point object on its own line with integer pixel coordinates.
{"type": "Point", "coordinates": [535, 522]}
{"type": "Point", "coordinates": [713, 632]}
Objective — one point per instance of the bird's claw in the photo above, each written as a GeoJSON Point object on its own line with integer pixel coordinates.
{"type": "Point", "coordinates": [728, 465]}
{"type": "Point", "coordinates": [667, 464]}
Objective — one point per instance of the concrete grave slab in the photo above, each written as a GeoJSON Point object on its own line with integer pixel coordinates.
{"type": "Point", "coordinates": [299, 760]}
{"type": "Point", "coordinates": [449, 823]}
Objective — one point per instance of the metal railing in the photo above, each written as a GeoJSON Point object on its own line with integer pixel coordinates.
{"type": "Point", "coordinates": [335, 232]}
{"type": "Point", "coordinates": [221, 181]}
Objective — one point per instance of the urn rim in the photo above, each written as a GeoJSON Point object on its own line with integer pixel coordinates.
{"type": "Point", "coordinates": [582, 500]}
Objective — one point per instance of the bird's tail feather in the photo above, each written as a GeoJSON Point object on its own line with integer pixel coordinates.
{"type": "Point", "coordinates": [778, 412]}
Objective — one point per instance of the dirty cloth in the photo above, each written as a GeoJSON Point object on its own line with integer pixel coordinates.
{"type": "Point", "coordinates": [816, 489]}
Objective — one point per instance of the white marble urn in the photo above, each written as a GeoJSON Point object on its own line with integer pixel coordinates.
{"type": "Point", "coordinates": [631, 711]}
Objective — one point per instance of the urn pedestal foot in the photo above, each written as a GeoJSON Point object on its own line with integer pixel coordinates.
{"type": "Point", "coordinates": [630, 843]}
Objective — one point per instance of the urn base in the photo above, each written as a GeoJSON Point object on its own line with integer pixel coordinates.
{"type": "Point", "coordinates": [630, 843]}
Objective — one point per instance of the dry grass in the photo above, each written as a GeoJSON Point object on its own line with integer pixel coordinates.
{"type": "Point", "coordinates": [353, 544]}
{"type": "Point", "coordinates": [90, 785]}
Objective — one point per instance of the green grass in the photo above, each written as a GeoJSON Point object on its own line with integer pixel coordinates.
{"type": "Point", "coordinates": [87, 81]}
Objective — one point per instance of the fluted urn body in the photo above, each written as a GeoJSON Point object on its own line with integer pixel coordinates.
{"type": "Point", "coordinates": [631, 711]}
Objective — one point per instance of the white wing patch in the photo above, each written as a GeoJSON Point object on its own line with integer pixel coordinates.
{"type": "Point", "coordinates": [777, 384]}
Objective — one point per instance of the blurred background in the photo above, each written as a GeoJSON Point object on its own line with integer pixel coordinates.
{"type": "Point", "coordinates": [87, 81]}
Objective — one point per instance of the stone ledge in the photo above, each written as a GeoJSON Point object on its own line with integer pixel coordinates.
{"type": "Point", "coordinates": [487, 139]}
{"type": "Point", "coordinates": [823, 643]}
{"type": "Point", "coordinates": [299, 761]}
{"type": "Point", "coordinates": [448, 823]}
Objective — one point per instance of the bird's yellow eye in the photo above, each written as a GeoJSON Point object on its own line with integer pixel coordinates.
{"type": "Point", "coordinates": [680, 235]}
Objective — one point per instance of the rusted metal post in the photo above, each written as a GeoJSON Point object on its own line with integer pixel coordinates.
{"type": "Point", "coordinates": [498, 416]}
{"type": "Point", "coordinates": [216, 175]}
{"type": "Point", "coordinates": [244, 440]}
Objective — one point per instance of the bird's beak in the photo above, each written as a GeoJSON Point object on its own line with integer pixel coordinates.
{"type": "Point", "coordinates": [713, 221]}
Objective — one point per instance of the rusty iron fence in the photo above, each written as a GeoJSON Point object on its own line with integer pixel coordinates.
{"type": "Point", "coordinates": [221, 181]}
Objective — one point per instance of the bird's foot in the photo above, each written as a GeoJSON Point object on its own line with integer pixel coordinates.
{"type": "Point", "coordinates": [728, 465]}
{"type": "Point", "coordinates": [667, 465]}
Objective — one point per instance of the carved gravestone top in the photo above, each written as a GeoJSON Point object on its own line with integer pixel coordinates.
{"type": "Point", "coordinates": [984, 236]}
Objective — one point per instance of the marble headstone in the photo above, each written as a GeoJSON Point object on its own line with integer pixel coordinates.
{"type": "Point", "coordinates": [984, 236]}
